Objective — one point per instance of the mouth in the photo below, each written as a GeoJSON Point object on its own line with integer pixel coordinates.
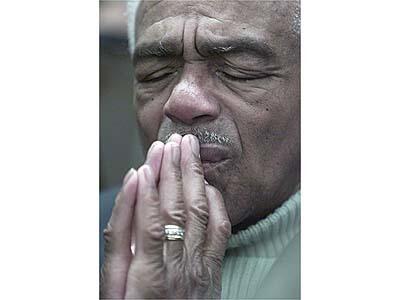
{"type": "Point", "coordinates": [213, 155]}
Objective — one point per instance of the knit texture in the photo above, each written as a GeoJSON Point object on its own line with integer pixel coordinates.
{"type": "Point", "coordinates": [252, 252]}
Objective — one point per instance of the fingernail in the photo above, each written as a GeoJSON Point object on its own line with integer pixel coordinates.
{"type": "Point", "coordinates": [205, 181]}
{"type": "Point", "coordinates": [128, 175]}
{"type": "Point", "coordinates": [175, 149]}
{"type": "Point", "coordinates": [147, 173]}
{"type": "Point", "coordinates": [154, 148]}
{"type": "Point", "coordinates": [132, 178]}
{"type": "Point", "coordinates": [174, 138]}
{"type": "Point", "coordinates": [151, 148]}
{"type": "Point", "coordinates": [194, 144]}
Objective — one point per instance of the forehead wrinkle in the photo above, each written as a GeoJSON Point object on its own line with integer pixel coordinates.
{"type": "Point", "coordinates": [165, 44]}
{"type": "Point", "coordinates": [234, 45]}
{"type": "Point", "coordinates": [211, 9]}
{"type": "Point", "coordinates": [221, 46]}
{"type": "Point", "coordinates": [210, 43]}
{"type": "Point", "coordinates": [215, 36]}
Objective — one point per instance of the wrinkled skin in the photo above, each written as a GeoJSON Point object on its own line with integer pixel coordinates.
{"type": "Point", "coordinates": [251, 97]}
{"type": "Point", "coordinates": [229, 73]}
{"type": "Point", "coordinates": [158, 268]}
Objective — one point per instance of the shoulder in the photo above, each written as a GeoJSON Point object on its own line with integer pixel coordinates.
{"type": "Point", "coordinates": [283, 280]}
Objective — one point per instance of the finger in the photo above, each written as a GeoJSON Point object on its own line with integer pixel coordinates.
{"type": "Point", "coordinates": [149, 230]}
{"type": "Point", "coordinates": [172, 206]}
{"type": "Point", "coordinates": [118, 231]}
{"type": "Point", "coordinates": [171, 199]}
{"type": "Point", "coordinates": [194, 195]}
{"type": "Point", "coordinates": [218, 228]}
{"type": "Point", "coordinates": [148, 261]}
{"type": "Point", "coordinates": [128, 175]}
{"type": "Point", "coordinates": [154, 158]}
{"type": "Point", "coordinates": [175, 137]}
{"type": "Point", "coordinates": [117, 240]}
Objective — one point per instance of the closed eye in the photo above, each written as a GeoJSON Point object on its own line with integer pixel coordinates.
{"type": "Point", "coordinates": [235, 78]}
{"type": "Point", "coordinates": [156, 77]}
{"type": "Point", "coordinates": [239, 78]}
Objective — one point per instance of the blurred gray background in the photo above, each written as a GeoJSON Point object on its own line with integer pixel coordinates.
{"type": "Point", "coordinates": [120, 146]}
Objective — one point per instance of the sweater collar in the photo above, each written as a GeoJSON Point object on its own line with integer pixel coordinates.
{"type": "Point", "coordinates": [275, 231]}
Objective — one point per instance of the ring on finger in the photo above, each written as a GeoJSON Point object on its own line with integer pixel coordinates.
{"type": "Point", "coordinates": [173, 233]}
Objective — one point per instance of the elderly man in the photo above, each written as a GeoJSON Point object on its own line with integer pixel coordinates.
{"type": "Point", "coordinates": [214, 211]}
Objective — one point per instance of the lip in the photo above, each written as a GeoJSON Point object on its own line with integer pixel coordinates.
{"type": "Point", "coordinates": [212, 154]}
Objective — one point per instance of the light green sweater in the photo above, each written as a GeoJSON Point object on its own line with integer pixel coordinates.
{"type": "Point", "coordinates": [263, 261]}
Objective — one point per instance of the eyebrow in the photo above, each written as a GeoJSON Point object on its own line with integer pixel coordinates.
{"type": "Point", "coordinates": [155, 49]}
{"type": "Point", "coordinates": [237, 45]}
{"type": "Point", "coordinates": [206, 48]}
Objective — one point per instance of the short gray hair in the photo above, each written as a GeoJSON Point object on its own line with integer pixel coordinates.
{"type": "Point", "coordinates": [131, 9]}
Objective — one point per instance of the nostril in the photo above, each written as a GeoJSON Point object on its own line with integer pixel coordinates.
{"type": "Point", "coordinates": [175, 119]}
{"type": "Point", "coordinates": [203, 119]}
{"type": "Point", "coordinates": [189, 113]}
{"type": "Point", "coordinates": [181, 114]}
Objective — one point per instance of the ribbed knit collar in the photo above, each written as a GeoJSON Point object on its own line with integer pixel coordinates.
{"type": "Point", "coordinates": [275, 231]}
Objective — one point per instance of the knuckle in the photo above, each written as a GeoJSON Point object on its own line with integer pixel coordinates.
{"type": "Point", "coordinates": [176, 215]}
{"type": "Point", "coordinates": [173, 173]}
{"type": "Point", "coordinates": [199, 276]}
{"type": "Point", "coordinates": [214, 258]}
{"type": "Point", "coordinates": [108, 235]}
{"type": "Point", "coordinates": [225, 229]}
{"type": "Point", "coordinates": [199, 210]}
{"type": "Point", "coordinates": [154, 231]}
{"type": "Point", "coordinates": [196, 168]}
{"type": "Point", "coordinates": [149, 198]}
{"type": "Point", "coordinates": [108, 232]}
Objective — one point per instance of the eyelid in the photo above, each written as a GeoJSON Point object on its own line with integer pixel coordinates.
{"type": "Point", "coordinates": [242, 78]}
{"type": "Point", "coordinates": [158, 77]}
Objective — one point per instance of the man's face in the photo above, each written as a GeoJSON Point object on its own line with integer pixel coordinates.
{"type": "Point", "coordinates": [229, 73]}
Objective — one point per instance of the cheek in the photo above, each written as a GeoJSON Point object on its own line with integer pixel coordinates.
{"type": "Point", "coordinates": [149, 106]}
{"type": "Point", "coordinates": [268, 128]}
{"type": "Point", "coordinates": [255, 135]}
{"type": "Point", "coordinates": [149, 117]}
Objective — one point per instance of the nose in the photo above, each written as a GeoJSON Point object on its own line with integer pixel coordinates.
{"type": "Point", "coordinates": [191, 102]}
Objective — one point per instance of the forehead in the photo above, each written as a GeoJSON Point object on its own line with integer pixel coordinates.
{"type": "Point", "coordinates": [252, 12]}
{"type": "Point", "coordinates": [273, 18]}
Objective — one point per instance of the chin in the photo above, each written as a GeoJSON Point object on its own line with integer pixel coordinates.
{"type": "Point", "coordinates": [238, 206]}
{"type": "Point", "coordinates": [214, 172]}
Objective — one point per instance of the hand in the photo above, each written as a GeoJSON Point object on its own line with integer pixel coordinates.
{"type": "Point", "coordinates": [158, 268]}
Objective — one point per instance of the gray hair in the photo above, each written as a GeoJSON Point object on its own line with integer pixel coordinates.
{"type": "Point", "coordinates": [203, 135]}
{"type": "Point", "coordinates": [131, 9]}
